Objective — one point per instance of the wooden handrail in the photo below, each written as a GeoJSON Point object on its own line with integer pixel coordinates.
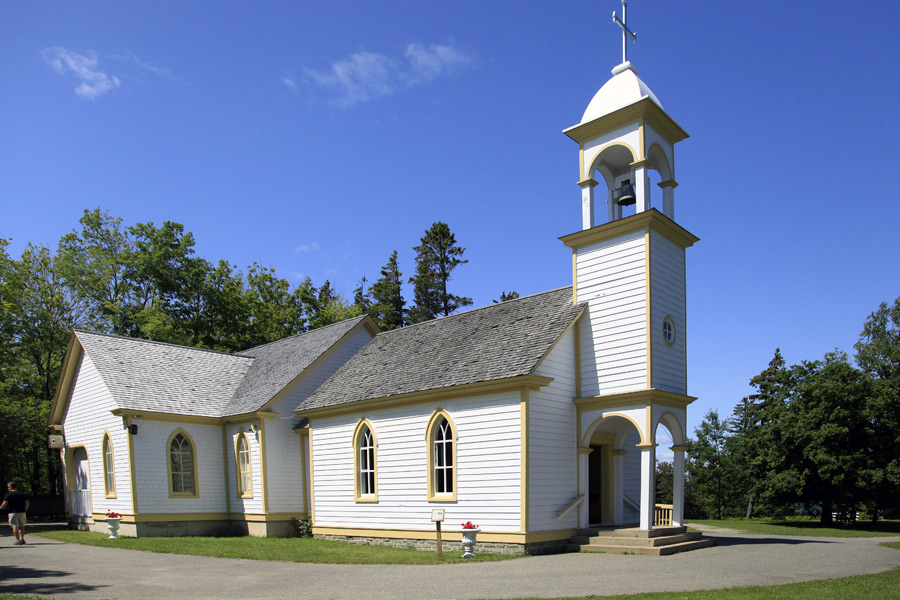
{"type": "Point", "coordinates": [570, 506]}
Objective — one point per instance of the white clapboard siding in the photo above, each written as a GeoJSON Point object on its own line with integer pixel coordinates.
{"type": "Point", "coordinates": [151, 463]}
{"type": "Point", "coordinates": [287, 493]}
{"type": "Point", "coordinates": [667, 281]}
{"type": "Point", "coordinates": [552, 441]}
{"type": "Point", "coordinates": [611, 277]}
{"type": "Point", "coordinates": [488, 447]}
{"type": "Point", "coordinates": [87, 416]}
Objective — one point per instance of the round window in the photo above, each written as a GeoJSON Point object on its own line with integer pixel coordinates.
{"type": "Point", "coordinates": [668, 330]}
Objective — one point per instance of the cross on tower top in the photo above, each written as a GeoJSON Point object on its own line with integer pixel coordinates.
{"type": "Point", "coordinates": [626, 33]}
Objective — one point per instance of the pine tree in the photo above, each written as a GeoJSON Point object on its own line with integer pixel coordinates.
{"type": "Point", "coordinates": [436, 257]}
{"type": "Point", "coordinates": [388, 306]}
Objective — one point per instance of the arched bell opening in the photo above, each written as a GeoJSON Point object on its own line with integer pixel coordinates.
{"type": "Point", "coordinates": [612, 166]}
{"type": "Point", "coordinates": [662, 180]}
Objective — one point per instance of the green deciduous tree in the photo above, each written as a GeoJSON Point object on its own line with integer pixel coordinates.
{"type": "Point", "coordinates": [436, 257]}
{"type": "Point", "coordinates": [878, 355]}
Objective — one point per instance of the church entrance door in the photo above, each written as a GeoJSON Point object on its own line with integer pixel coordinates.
{"type": "Point", "coordinates": [597, 483]}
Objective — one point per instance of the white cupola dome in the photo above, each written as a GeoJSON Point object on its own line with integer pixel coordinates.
{"type": "Point", "coordinates": [624, 89]}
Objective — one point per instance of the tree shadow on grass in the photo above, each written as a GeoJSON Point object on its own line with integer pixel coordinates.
{"type": "Point", "coordinates": [878, 527]}
{"type": "Point", "coordinates": [725, 540]}
{"type": "Point", "coordinates": [28, 580]}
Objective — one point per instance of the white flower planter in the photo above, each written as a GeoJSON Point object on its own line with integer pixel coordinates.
{"type": "Point", "coordinates": [469, 540]}
{"type": "Point", "coordinates": [112, 523]}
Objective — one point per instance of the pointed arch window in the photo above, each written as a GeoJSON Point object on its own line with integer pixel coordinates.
{"type": "Point", "coordinates": [365, 465]}
{"type": "Point", "coordinates": [441, 457]}
{"type": "Point", "coordinates": [109, 467]}
{"type": "Point", "coordinates": [182, 465]}
{"type": "Point", "coordinates": [242, 460]}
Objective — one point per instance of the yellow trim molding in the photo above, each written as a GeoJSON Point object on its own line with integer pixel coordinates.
{"type": "Point", "coordinates": [429, 441]}
{"type": "Point", "coordinates": [651, 396]}
{"type": "Point", "coordinates": [640, 221]}
{"type": "Point", "coordinates": [633, 113]}
{"type": "Point", "coordinates": [358, 496]}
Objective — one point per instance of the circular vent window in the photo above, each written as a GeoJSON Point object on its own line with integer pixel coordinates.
{"type": "Point", "coordinates": [668, 330]}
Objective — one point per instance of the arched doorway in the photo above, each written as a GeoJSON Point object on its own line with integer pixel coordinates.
{"type": "Point", "coordinates": [80, 489]}
{"type": "Point", "coordinates": [613, 472]}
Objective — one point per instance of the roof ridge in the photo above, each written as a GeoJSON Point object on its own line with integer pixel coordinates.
{"type": "Point", "coordinates": [302, 333]}
{"type": "Point", "coordinates": [469, 312]}
{"type": "Point", "coordinates": [182, 346]}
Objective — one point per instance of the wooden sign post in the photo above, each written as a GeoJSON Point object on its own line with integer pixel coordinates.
{"type": "Point", "coordinates": [437, 515]}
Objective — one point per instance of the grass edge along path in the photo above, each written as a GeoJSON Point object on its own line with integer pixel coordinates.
{"type": "Point", "coordinates": [804, 527]}
{"type": "Point", "coordinates": [878, 586]}
{"type": "Point", "coordinates": [305, 550]}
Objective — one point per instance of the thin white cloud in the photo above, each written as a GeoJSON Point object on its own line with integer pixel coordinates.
{"type": "Point", "coordinates": [143, 65]}
{"type": "Point", "coordinates": [94, 82]}
{"type": "Point", "coordinates": [289, 80]}
{"type": "Point", "coordinates": [365, 76]}
{"type": "Point", "coordinates": [314, 247]}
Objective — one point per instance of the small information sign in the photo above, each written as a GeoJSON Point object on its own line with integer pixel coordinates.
{"type": "Point", "coordinates": [437, 515]}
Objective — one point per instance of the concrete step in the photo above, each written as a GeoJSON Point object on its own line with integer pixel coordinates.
{"type": "Point", "coordinates": [631, 532]}
{"type": "Point", "coordinates": [646, 550]}
{"type": "Point", "coordinates": [636, 541]}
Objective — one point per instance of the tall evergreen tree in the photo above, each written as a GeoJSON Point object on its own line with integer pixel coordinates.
{"type": "Point", "coordinates": [436, 257]}
{"type": "Point", "coordinates": [829, 446]}
{"type": "Point", "coordinates": [756, 443]}
{"type": "Point", "coordinates": [709, 466]}
{"type": "Point", "coordinates": [388, 306]}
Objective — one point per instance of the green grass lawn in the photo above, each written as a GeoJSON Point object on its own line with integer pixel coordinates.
{"type": "Point", "coordinates": [305, 550]}
{"type": "Point", "coordinates": [806, 527]}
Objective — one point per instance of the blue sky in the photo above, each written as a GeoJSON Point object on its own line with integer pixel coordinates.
{"type": "Point", "coordinates": [316, 138]}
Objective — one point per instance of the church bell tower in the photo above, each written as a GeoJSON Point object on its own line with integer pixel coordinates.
{"type": "Point", "coordinates": [630, 269]}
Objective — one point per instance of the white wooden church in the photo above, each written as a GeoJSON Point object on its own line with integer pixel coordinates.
{"type": "Point", "coordinates": [535, 418]}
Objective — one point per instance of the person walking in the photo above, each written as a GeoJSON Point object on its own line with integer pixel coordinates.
{"type": "Point", "coordinates": [17, 503]}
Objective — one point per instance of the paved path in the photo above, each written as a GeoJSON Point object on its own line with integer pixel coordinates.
{"type": "Point", "coordinates": [46, 567]}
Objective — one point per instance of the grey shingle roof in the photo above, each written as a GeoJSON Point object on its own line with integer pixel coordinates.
{"type": "Point", "coordinates": [275, 365]}
{"type": "Point", "coordinates": [158, 377]}
{"type": "Point", "coordinates": [496, 342]}
{"type": "Point", "coordinates": [152, 376]}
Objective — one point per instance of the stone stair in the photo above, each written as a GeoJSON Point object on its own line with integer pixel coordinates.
{"type": "Point", "coordinates": [631, 540]}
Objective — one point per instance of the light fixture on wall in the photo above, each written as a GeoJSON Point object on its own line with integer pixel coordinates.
{"type": "Point", "coordinates": [254, 427]}
{"type": "Point", "coordinates": [133, 429]}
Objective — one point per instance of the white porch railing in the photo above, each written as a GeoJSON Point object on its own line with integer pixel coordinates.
{"type": "Point", "coordinates": [80, 502]}
{"type": "Point", "coordinates": [662, 515]}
